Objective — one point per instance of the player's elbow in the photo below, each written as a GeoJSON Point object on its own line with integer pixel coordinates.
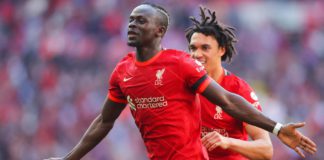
{"type": "Point", "coordinates": [267, 156]}
{"type": "Point", "coordinates": [267, 153]}
{"type": "Point", "coordinates": [226, 101]}
{"type": "Point", "coordinates": [264, 150]}
{"type": "Point", "coordinates": [102, 123]}
{"type": "Point", "coordinates": [232, 105]}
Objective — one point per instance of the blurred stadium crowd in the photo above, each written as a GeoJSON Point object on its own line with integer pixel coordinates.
{"type": "Point", "coordinates": [56, 57]}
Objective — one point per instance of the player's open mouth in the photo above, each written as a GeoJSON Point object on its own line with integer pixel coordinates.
{"type": "Point", "coordinates": [202, 61]}
{"type": "Point", "coordinates": [131, 33]}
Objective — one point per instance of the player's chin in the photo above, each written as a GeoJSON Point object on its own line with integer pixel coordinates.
{"type": "Point", "coordinates": [132, 43]}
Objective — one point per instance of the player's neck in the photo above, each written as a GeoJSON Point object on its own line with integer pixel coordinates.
{"type": "Point", "coordinates": [147, 52]}
{"type": "Point", "coordinates": [217, 72]}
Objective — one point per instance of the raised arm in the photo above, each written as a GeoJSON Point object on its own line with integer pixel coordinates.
{"type": "Point", "coordinates": [98, 129]}
{"type": "Point", "coordinates": [239, 108]}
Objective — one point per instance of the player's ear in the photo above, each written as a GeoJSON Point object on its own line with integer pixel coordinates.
{"type": "Point", "coordinates": [221, 51]}
{"type": "Point", "coordinates": [161, 31]}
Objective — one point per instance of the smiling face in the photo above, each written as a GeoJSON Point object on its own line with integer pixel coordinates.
{"type": "Point", "coordinates": [206, 50]}
{"type": "Point", "coordinates": [143, 26]}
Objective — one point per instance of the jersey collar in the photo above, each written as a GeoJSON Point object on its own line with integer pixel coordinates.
{"type": "Point", "coordinates": [145, 63]}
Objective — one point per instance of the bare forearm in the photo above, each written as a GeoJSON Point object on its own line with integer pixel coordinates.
{"type": "Point", "coordinates": [94, 134]}
{"type": "Point", "coordinates": [237, 107]}
{"type": "Point", "coordinates": [257, 149]}
{"type": "Point", "coordinates": [241, 109]}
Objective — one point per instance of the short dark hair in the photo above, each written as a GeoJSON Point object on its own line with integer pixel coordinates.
{"type": "Point", "coordinates": [222, 33]}
{"type": "Point", "coordinates": [165, 15]}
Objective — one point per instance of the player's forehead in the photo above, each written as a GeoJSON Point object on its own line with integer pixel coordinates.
{"type": "Point", "coordinates": [145, 11]}
{"type": "Point", "coordinates": [198, 39]}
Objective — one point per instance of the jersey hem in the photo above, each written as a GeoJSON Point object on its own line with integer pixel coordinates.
{"type": "Point", "coordinates": [116, 99]}
{"type": "Point", "coordinates": [204, 85]}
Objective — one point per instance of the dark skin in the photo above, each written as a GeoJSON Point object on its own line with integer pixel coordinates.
{"type": "Point", "coordinates": [145, 33]}
{"type": "Point", "coordinates": [98, 129]}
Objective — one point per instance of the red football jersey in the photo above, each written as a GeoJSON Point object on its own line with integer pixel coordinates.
{"type": "Point", "coordinates": [215, 119]}
{"type": "Point", "coordinates": [161, 93]}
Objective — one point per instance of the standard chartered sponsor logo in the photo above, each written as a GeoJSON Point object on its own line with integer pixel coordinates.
{"type": "Point", "coordinates": [206, 130]}
{"type": "Point", "coordinates": [150, 102]}
{"type": "Point", "coordinates": [131, 104]}
{"type": "Point", "coordinates": [147, 102]}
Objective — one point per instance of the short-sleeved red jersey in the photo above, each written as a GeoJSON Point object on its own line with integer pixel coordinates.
{"type": "Point", "coordinates": [161, 93]}
{"type": "Point", "coordinates": [215, 119]}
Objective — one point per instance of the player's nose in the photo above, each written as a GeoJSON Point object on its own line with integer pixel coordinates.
{"type": "Point", "coordinates": [132, 24]}
{"type": "Point", "coordinates": [196, 54]}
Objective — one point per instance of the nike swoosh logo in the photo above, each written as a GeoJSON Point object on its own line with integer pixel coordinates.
{"type": "Point", "coordinates": [127, 79]}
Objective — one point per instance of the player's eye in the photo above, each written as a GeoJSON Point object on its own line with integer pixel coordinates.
{"type": "Point", "coordinates": [131, 19]}
{"type": "Point", "coordinates": [141, 20]}
{"type": "Point", "coordinates": [205, 47]}
{"type": "Point", "coordinates": [192, 48]}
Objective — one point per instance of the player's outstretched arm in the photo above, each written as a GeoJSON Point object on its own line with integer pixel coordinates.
{"type": "Point", "coordinates": [239, 108]}
{"type": "Point", "coordinates": [98, 129]}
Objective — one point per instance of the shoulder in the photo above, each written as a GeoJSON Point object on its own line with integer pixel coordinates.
{"type": "Point", "coordinates": [174, 51]}
{"type": "Point", "coordinates": [176, 54]}
{"type": "Point", "coordinates": [241, 87]}
{"type": "Point", "coordinates": [176, 57]}
{"type": "Point", "coordinates": [121, 67]}
{"type": "Point", "coordinates": [236, 83]}
{"type": "Point", "coordinates": [241, 82]}
{"type": "Point", "coordinates": [127, 59]}
{"type": "Point", "coordinates": [236, 79]}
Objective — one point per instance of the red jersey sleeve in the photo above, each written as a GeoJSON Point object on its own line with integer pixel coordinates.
{"type": "Point", "coordinates": [194, 74]}
{"type": "Point", "coordinates": [115, 94]}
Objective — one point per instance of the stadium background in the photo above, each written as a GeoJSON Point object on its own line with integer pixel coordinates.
{"type": "Point", "coordinates": [56, 57]}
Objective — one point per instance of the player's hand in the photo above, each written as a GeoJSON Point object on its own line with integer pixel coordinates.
{"type": "Point", "coordinates": [294, 139]}
{"type": "Point", "coordinates": [213, 140]}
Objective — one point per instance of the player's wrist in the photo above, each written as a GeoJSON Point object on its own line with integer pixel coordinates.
{"type": "Point", "coordinates": [229, 143]}
{"type": "Point", "coordinates": [277, 129]}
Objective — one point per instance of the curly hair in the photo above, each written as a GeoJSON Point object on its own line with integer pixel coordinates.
{"type": "Point", "coordinates": [209, 26]}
